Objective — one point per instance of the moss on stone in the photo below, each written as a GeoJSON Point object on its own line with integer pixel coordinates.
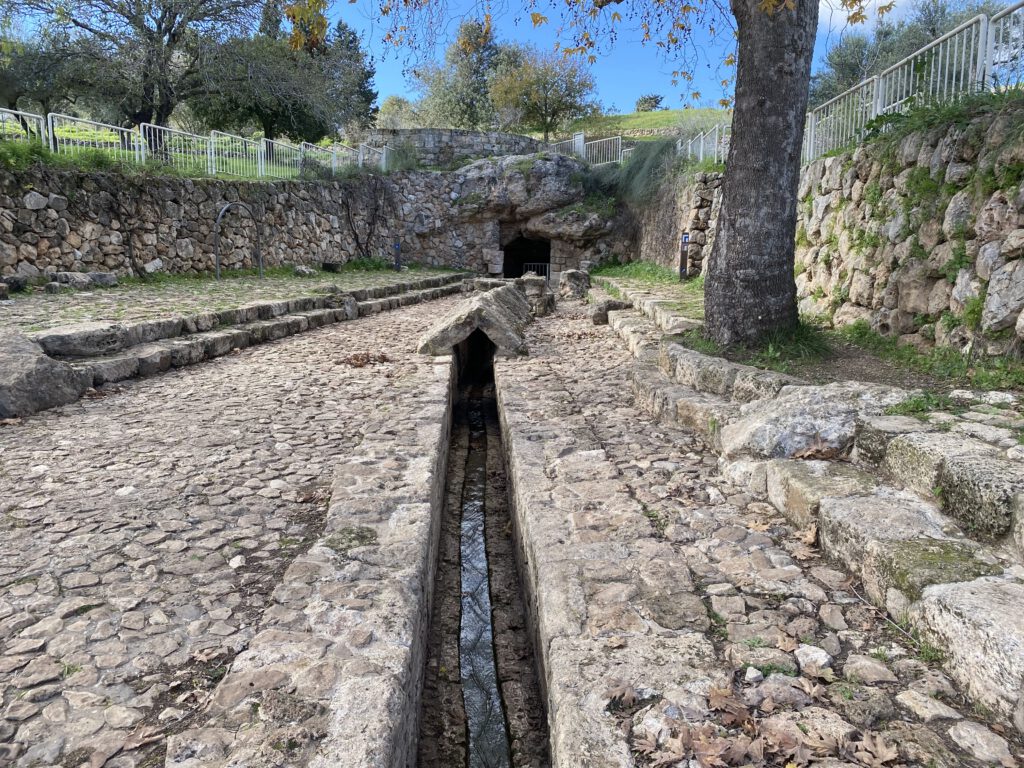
{"type": "Point", "coordinates": [350, 537]}
{"type": "Point", "coordinates": [912, 565]}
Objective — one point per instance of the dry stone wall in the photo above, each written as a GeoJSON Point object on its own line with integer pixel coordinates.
{"type": "Point", "coordinates": [64, 221]}
{"type": "Point", "coordinates": [440, 147]}
{"type": "Point", "coordinates": [684, 204]}
{"type": "Point", "coordinates": [920, 236]}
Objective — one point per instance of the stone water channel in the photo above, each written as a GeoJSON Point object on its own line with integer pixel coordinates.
{"type": "Point", "coordinates": [482, 703]}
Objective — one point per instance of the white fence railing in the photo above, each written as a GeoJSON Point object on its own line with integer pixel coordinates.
{"type": "Point", "coordinates": [711, 145]}
{"type": "Point", "coordinates": [603, 151]}
{"type": "Point", "coordinates": [188, 153]}
{"type": "Point", "coordinates": [216, 154]}
{"type": "Point", "coordinates": [984, 53]}
{"type": "Point", "coordinates": [1005, 64]}
{"type": "Point", "coordinates": [280, 160]}
{"type": "Point", "coordinates": [21, 126]}
{"type": "Point", "coordinates": [75, 136]}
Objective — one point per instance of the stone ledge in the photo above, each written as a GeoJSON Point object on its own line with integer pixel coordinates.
{"type": "Point", "coordinates": [160, 346]}
{"type": "Point", "coordinates": [576, 526]}
{"type": "Point", "coordinates": [914, 560]}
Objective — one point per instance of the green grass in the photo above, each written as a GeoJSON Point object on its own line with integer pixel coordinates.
{"type": "Point", "coordinates": [643, 271]}
{"type": "Point", "coordinates": [982, 372]}
{"type": "Point", "coordinates": [781, 351]}
{"type": "Point", "coordinates": [923, 404]}
{"type": "Point", "coordinates": [687, 120]}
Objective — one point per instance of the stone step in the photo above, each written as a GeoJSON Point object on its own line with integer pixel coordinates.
{"type": "Point", "coordinates": [705, 373]}
{"type": "Point", "coordinates": [973, 480]}
{"type": "Point", "coordinates": [916, 547]}
{"type": "Point", "coordinates": [91, 339]}
{"type": "Point", "coordinates": [956, 594]}
{"type": "Point", "coordinates": [672, 403]}
{"type": "Point", "coordinates": [152, 357]}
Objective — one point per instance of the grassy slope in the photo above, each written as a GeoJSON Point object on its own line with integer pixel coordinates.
{"type": "Point", "coordinates": [688, 120]}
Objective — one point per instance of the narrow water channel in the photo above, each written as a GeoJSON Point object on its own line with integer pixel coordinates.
{"type": "Point", "coordinates": [482, 705]}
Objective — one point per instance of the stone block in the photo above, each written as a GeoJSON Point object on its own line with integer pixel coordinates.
{"type": "Point", "coordinates": [153, 358]}
{"type": "Point", "coordinates": [979, 625]}
{"type": "Point", "coordinates": [30, 381]}
{"type": "Point", "coordinates": [91, 339]}
{"type": "Point", "coordinates": [914, 459]}
{"type": "Point", "coordinates": [110, 369]}
{"type": "Point", "coordinates": [875, 432]}
{"type": "Point", "coordinates": [796, 488]}
{"type": "Point", "coordinates": [984, 492]}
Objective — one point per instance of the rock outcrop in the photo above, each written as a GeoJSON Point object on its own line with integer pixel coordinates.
{"type": "Point", "coordinates": [31, 381]}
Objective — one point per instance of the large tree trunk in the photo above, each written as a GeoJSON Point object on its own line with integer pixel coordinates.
{"type": "Point", "coordinates": [749, 291]}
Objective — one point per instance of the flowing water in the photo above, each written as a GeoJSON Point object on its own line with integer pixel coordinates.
{"type": "Point", "coordinates": [482, 706]}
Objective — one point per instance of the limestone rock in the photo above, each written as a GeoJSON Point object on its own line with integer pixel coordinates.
{"type": "Point", "coordinates": [989, 260]}
{"type": "Point", "coordinates": [573, 284]}
{"type": "Point", "coordinates": [805, 418]}
{"type": "Point", "coordinates": [980, 742]}
{"type": "Point", "coordinates": [77, 280]}
{"type": "Point", "coordinates": [599, 315]}
{"type": "Point", "coordinates": [957, 220]}
{"type": "Point", "coordinates": [35, 201]}
{"type": "Point", "coordinates": [501, 314]}
{"type": "Point", "coordinates": [1005, 298]}
{"type": "Point", "coordinates": [868, 670]}
{"type": "Point", "coordinates": [30, 381]}
{"type": "Point", "coordinates": [82, 339]}
{"type": "Point", "coordinates": [962, 618]}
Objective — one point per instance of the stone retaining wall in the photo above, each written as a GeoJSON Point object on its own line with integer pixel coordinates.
{"type": "Point", "coordinates": [440, 147]}
{"type": "Point", "coordinates": [919, 236]}
{"type": "Point", "coordinates": [69, 221]}
{"type": "Point", "coordinates": [686, 203]}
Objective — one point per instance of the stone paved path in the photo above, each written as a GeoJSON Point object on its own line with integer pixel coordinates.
{"type": "Point", "coordinates": [142, 533]}
{"type": "Point", "coordinates": [38, 311]}
{"type": "Point", "coordinates": [794, 628]}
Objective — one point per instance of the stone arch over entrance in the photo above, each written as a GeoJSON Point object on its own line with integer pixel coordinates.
{"type": "Point", "coordinates": [522, 251]}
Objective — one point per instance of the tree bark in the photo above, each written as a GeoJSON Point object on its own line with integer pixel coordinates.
{"type": "Point", "coordinates": [749, 289]}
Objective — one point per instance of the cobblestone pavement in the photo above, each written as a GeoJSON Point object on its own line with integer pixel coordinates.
{"type": "Point", "coordinates": [142, 532]}
{"type": "Point", "coordinates": [38, 311]}
{"type": "Point", "coordinates": [793, 628]}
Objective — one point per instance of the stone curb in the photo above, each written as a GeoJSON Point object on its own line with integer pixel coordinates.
{"type": "Point", "coordinates": [351, 684]}
{"type": "Point", "coordinates": [913, 557]}
{"type": "Point", "coordinates": [595, 623]}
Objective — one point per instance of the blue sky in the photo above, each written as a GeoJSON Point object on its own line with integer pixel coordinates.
{"type": "Point", "coordinates": [625, 70]}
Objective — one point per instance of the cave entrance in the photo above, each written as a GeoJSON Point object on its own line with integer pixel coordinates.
{"type": "Point", "coordinates": [524, 254]}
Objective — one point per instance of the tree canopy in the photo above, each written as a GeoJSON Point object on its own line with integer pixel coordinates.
{"type": "Point", "coordinates": [227, 64]}
{"type": "Point", "coordinates": [864, 53]}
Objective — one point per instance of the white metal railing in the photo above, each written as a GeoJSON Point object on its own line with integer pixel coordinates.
{"type": "Point", "coordinates": [1004, 59]}
{"type": "Point", "coordinates": [346, 155]}
{"type": "Point", "coordinates": [22, 126]}
{"type": "Point", "coordinates": [234, 156]}
{"type": "Point", "coordinates": [563, 147]}
{"type": "Point", "coordinates": [320, 158]}
{"type": "Point", "coordinates": [189, 153]}
{"type": "Point", "coordinates": [840, 121]}
{"type": "Point", "coordinates": [280, 160]}
{"type": "Point", "coordinates": [950, 66]}
{"type": "Point", "coordinates": [712, 144]}
{"type": "Point", "coordinates": [626, 153]}
{"type": "Point", "coordinates": [982, 53]}
{"type": "Point", "coordinates": [75, 136]}
{"type": "Point", "coordinates": [372, 156]}
{"type": "Point", "coordinates": [603, 151]}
